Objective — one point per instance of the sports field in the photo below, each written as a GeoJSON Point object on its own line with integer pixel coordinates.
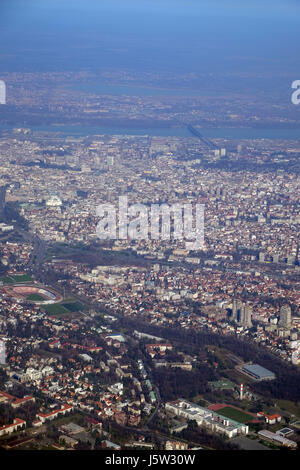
{"type": "Point", "coordinates": [63, 307]}
{"type": "Point", "coordinates": [12, 279]}
{"type": "Point", "coordinates": [235, 414]}
{"type": "Point", "coordinates": [55, 309]}
{"type": "Point", "coordinates": [21, 278]}
{"type": "Point", "coordinates": [35, 298]}
{"type": "Point", "coordinates": [73, 306]}
{"type": "Point", "coordinates": [6, 280]}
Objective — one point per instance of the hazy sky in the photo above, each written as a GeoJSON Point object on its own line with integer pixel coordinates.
{"type": "Point", "coordinates": [258, 37]}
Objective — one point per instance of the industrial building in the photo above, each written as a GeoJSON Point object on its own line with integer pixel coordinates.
{"type": "Point", "coordinates": [258, 372]}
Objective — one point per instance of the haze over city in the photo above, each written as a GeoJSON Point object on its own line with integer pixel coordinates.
{"type": "Point", "coordinates": [149, 228]}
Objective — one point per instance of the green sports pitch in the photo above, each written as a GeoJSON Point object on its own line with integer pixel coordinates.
{"type": "Point", "coordinates": [15, 278]}
{"type": "Point", "coordinates": [235, 414]}
{"type": "Point", "coordinates": [21, 278]}
{"type": "Point", "coordinates": [35, 298]}
{"type": "Point", "coordinates": [63, 308]}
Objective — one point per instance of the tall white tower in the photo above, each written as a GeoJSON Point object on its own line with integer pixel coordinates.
{"type": "Point", "coordinates": [241, 391]}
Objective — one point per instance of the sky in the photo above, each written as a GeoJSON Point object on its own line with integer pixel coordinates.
{"type": "Point", "coordinates": [188, 36]}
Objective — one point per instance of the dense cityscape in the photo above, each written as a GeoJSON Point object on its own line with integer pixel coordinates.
{"type": "Point", "coordinates": [140, 343]}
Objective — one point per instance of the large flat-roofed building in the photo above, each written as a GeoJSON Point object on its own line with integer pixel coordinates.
{"type": "Point", "coordinates": [206, 418]}
{"type": "Point", "coordinates": [271, 436]}
{"type": "Point", "coordinates": [258, 372]}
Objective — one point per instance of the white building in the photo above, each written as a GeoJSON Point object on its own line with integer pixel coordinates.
{"type": "Point", "coordinates": [207, 418]}
{"type": "Point", "coordinates": [54, 414]}
{"type": "Point", "coordinates": [33, 374]}
{"type": "Point", "coordinates": [54, 201]}
{"type": "Point", "coordinates": [271, 436]}
{"type": "Point", "coordinates": [15, 426]}
{"type": "Point", "coordinates": [47, 370]}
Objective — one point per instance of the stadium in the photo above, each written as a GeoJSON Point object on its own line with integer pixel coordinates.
{"type": "Point", "coordinates": [39, 295]}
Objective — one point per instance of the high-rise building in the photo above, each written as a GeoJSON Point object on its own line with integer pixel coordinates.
{"type": "Point", "coordinates": [285, 320]}
{"type": "Point", "coordinates": [2, 92]}
{"type": "Point", "coordinates": [110, 160]}
{"type": "Point", "coordinates": [235, 309]}
{"type": "Point", "coordinates": [2, 200]}
{"type": "Point", "coordinates": [109, 195]}
{"type": "Point", "coordinates": [247, 316]}
{"type": "Point", "coordinates": [241, 313]}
